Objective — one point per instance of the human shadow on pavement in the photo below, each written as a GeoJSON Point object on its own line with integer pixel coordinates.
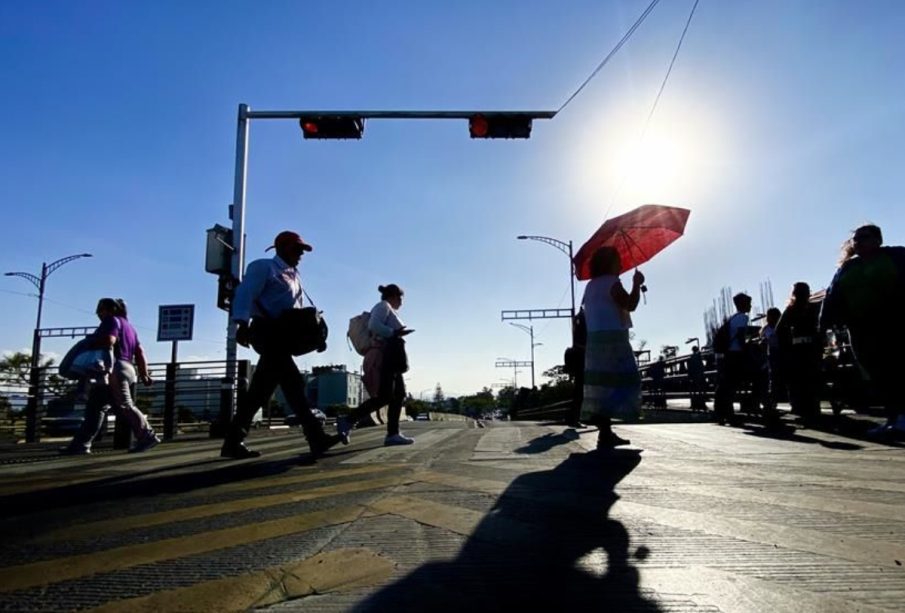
{"type": "Point", "coordinates": [844, 426]}
{"type": "Point", "coordinates": [546, 545]}
{"type": "Point", "coordinates": [184, 477]}
{"type": "Point", "coordinates": [548, 441]}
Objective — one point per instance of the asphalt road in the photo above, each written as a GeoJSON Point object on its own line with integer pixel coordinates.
{"type": "Point", "coordinates": [690, 517]}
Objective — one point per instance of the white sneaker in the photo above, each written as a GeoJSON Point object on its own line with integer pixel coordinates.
{"type": "Point", "coordinates": [397, 439]}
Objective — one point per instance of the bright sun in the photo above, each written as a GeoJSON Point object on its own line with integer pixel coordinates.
{"type": "Point", "coordinates": [654, 165]}
{"type": "Point", "coordinates": [672, 164]}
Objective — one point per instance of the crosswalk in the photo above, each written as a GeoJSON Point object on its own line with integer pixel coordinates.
{"type": "Point", "coordinates": [183, 530]}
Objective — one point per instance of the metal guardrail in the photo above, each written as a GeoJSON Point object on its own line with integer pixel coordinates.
{"type": "Point", "coordinates": [185, 396]}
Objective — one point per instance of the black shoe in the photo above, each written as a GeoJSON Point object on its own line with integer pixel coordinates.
{"type": "Point", "coordinates": [238, 451]}
{"type": "Point", "coordinates": [611, 440]}
{"type": "Point", "coordinates": [321, 443]}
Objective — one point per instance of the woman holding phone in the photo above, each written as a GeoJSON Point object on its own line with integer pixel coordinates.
{"type": "Point", "coordinates": [384, 365]}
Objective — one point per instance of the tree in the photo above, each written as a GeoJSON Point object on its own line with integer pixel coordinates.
{"type": "Point", "coordinates": [480, 404]}
{"type": "Point", "coordinates": [557, 374]}
{"type": "Point", "coordinates": [439, 398]}
{"type": "Point", "coordinates": [15, 371]}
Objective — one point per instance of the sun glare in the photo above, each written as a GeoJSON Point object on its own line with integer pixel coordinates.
{"type": "Point", "coordinates": [674, 162]}
{"type": "Point", "coordinates": [654, 164]}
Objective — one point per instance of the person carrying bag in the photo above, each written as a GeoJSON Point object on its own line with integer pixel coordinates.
{"type": "Point", "coordinates": [269, 316]}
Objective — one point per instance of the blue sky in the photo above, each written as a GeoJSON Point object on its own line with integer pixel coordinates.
{"type": "Point", "coordinates": [780, 128]}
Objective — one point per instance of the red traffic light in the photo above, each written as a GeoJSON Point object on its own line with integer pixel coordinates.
{"type": "Point", "coordinates": [499, 125]}
{"type": "Point", "coordinates": [334, 127]}
{"type": "Point", "coordinates": [477, 126]}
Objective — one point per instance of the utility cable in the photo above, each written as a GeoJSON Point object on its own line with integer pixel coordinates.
{"type": "Point", "coordinates": [615, 49]}
{"type": "Point", "coordinates": [653, 107]}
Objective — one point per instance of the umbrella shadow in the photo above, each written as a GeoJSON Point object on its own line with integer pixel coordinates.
{"type": "Point", "coordinates": [547, 544]}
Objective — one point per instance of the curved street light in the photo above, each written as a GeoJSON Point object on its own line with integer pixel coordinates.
{"type": "Point", "coordinates": [566, 248]}
{"type": "Point", "coordinates": [39, 283]}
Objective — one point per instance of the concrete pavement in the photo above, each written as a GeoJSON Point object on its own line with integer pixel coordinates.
{"type": "Point", "coordinates": [690, 517]}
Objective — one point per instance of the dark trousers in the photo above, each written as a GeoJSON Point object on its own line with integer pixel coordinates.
{"type": "Point", "coordinates": [573, 414]}
{"type": "Point", "coordinates": [391, 393]}
{"type": "Point", "coordinates": [879, 352]}
{"type": "Point", "coordinates": [275, 368]}
{"type": "Point", "coordinates": [733, 375]}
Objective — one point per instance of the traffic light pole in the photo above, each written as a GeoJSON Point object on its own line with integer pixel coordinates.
{"type": "Point", "coordinates": [237, 214]}
{"type": "Point", "coordinates": [496, 124]}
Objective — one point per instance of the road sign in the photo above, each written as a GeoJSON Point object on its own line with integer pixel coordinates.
{"type": "Point", "coordinates": [175, 322]}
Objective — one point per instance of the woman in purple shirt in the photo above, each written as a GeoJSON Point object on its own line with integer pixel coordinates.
{"type": "Point", "coordinates": [117, 333]}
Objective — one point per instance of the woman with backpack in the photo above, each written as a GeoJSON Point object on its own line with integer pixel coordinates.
{"type": "Point", "coordinates": [612, 384]}
{"type": "Point", "coordinates": [384, 364]}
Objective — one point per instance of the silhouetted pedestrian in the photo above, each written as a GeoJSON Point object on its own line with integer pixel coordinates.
{"type": "Point", "coordinates": [867, 295]}
{"type": "Point", "coordinates": [802, 349]}
{"type": "Point", "coordinates": [384, 365]}
{"type": "Point", "coordinates": [657, 374]}
{"type": "Point", "coordinates": [696, 380]}
{"type": "Point", "coordinates": [734, 369]}
{"type": "Point", "coordinates": [574, 367]}
{"type": "Point", "coordinates": [270, 287]}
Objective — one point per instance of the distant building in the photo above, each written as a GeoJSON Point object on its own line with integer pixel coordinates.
{"type": "Point", "coordinates": [333, 385]}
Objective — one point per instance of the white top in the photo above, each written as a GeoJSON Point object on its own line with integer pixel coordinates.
{"type": "Point", "coordinates": [737, 322]}
{"type": "Point", "coordinates": [271, 284]}
{"type": "Point", "coordinates": [384, 320]}
{"type": "Point", "coordinates": [601, 311]}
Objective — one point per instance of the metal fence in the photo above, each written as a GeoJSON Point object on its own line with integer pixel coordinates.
{"type": "Point", "coordinates": [184, 397]}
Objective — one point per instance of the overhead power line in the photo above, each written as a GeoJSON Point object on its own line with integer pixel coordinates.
{"type": "Point", "coordinates": [653, 107]}
{"type": "Point", "coordinates": [669, 70]}
{"type": "Point", "coordinates": [618, 46]}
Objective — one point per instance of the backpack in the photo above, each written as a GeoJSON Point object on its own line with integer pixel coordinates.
{"type": "Point", "coordinates": [722, 339]}
{"type": "Point", "coordinates": [358, 334]}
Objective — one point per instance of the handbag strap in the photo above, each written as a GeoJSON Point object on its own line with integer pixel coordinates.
{"type": "Point", "coordinates": [267, 315]}
{"type": "Point", "coordinates": [305, 294]}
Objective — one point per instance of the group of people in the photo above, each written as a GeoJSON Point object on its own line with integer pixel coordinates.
{"type": "Point", "coordinates": [865, 297]}
{"type": "Point", "coordinates": [866, 294]}
{"type": "Point", "coordinates": [272, 287]}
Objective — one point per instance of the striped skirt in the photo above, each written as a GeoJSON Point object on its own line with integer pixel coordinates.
{"type": "Point", "coordinates": [612, 385]}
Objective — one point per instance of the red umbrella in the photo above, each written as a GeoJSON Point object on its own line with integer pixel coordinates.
{"type": "Point", "coordinates": [637, 235]}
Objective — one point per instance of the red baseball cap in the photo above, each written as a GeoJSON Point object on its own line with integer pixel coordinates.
{"type": "Point", "coordinates": [287, 238]}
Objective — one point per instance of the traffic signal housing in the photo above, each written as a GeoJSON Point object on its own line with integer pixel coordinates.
{"type": "Point", "coordinates": [332, 127]}
{"type": "Point", "coordinates": [499, 125]}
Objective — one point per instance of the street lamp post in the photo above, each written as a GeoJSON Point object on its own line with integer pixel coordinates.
{"type": "Point", "coordinates": [530, 331]}
{"type": "Point", "coordinates": [566, 248]}
{"type": "Point", "coordinates": [31, 423]}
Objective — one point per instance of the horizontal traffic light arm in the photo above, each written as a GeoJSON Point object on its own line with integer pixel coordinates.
{"type": "Point", "coordinates": [397, 114]}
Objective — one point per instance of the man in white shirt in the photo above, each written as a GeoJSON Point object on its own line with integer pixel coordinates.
{"type": "Point", "coordinates": [271, 286]}
{"type": "Point", "coordinates": [733, 370]}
